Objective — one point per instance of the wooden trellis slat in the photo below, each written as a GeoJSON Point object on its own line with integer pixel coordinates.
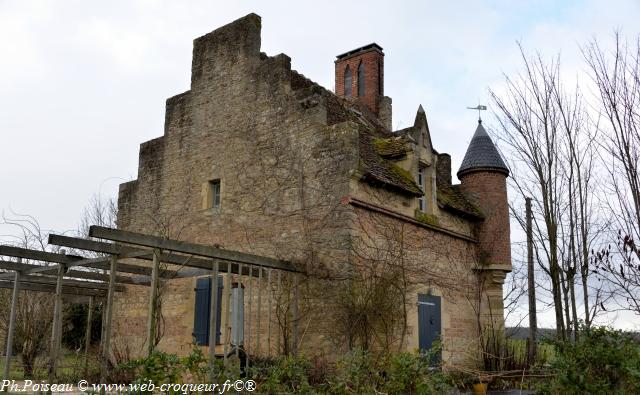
{"type": "Point", "coordinates": [51, 288]}
{"type": "Point", "coordinates": [86, 283]}
{"type": "Point", "coordinates": [213, 320]}
{"type": "Point", "coordinates": [188, 248]}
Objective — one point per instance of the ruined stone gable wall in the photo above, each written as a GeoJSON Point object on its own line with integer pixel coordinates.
{"type": "Point", "coordinates": [282, 169]}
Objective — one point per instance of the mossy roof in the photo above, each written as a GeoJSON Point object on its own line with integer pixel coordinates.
{"type": "Point", "coordinates": [391, 147]}
{"type": "Point", "coordinates": [379, 146]}
{"type": "Point", "coordinates": [379, 170]}
{"type": "Point", "coordinates": [452, 198]}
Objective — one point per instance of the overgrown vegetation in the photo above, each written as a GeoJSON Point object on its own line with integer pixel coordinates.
{"type": "Point", "coordinates": [601, 361]}
{"type": "Point", "coordinates": [358, 372]}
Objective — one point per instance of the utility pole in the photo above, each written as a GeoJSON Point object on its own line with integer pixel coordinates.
{"type": "Point", "coordinates": [531, 343]}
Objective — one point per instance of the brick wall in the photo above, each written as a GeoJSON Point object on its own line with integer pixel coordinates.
{"type": "Point", "coordinates": [373, 62]}
{"type": "Point", "coordinates": [489, 191]}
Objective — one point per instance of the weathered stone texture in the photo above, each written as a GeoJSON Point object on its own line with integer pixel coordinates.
{"type": "Point", "coordinates": [289, 158]}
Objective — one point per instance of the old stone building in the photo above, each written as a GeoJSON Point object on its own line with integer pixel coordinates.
{"type": "Point", "coordinates": [257, 158]}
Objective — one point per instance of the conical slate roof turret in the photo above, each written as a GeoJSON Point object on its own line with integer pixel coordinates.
{"type": "Point", "coordinates": [482, 154]}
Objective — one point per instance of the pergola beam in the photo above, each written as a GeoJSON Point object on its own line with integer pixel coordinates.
{"type": "Point", "coordinates": [133, 269]}
{"type": "Point", "coordinates": [75, 283]}
{"type": "Point", "coordinates": [61, 259]}
{"type": "Point", "coordinates": [188, 248]}
{"type": "Point", "coordinates": [90, 245]}
{"type": "Point", "coordinates": [49, 288]}
{"type": "Point", "coordinates": [112, 248]}
{"type": "Point", "coordinates": [76, 274]}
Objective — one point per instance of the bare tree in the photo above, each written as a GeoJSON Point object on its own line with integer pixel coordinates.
{"type": "Point", "coordinates": [550, 138]}
{"type": "Point", "coordinates": [616, 75]}
{"type": "Point", "coordinates": [100, 210]}
{"type": "Point", "coordinates": [529, 126]}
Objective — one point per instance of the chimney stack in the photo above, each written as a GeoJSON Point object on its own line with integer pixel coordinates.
{"type": "Point", "coordinates": [360, 74]}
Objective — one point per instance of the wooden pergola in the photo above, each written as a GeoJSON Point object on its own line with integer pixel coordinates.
{"type": "Point", "coordinates": [66, 274]}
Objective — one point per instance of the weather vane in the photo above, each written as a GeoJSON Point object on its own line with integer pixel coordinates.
{"type": "Point", "coordinates": [479, 107]}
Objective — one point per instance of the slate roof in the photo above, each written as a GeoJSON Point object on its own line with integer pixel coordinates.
{"type": "Point", "coordinates": [378, 170]}
{"type": "Point", "coordinates": [392, 147]}
{"type": "Point", "coordinates": [482, 154]}
{"type": "Point", "coordinates": [452, 198]}
{"type": "Point", "coordinates": [375, 158]}
{"type": "Point", "coordinates": [379, 147]}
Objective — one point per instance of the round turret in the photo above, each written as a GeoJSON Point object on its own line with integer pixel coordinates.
{"type": "Point", "coordinates": [483, 175]}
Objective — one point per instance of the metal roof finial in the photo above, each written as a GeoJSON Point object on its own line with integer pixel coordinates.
{"type": "Point", "coordinates": [479, 107]}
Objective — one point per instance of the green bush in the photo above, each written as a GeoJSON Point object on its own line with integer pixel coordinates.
{"type": "Point", "coordinates": [601, 361]}
{"type": "Point", "coordinates": [163, 368]}
{"type": "Point", "coordinates": [282, 375]}
{"type": "Point", "coordinates": [159, 368]}
{"type": "Point", "coordinates": [358, 372]}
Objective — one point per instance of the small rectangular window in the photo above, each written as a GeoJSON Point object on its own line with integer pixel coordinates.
{"type": "Point", "coordinates": [214, 194]}
{"type": "Point", "coordinates": [421, 183]}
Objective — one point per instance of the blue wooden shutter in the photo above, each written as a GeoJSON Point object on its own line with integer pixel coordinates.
{"type": "Point", "coordinates": [201, 311]}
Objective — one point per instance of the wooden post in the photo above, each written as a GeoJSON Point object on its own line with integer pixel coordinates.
{"type": "Point", "coordinates": [269, 307]}
{"type": "Point", "coordinates": [12, 325]}
{"type": "Point", "coordinates": [531, 344]}
{"type": "Point", "coordinates": [87, 336]}
{"type": "Point", "coordinates": [213, 320]}
{"type": "Point", "coordinates": [56, 326]}
{"type": "Point", "coordinates": [259, 311]}
{"type": "Point", "coordinates": [235, 313]}
{"type": "Point", "coordinates": [248, 336]}
{"type": "Point", "coordinates": [106, 342]}
{"type": "Point", "coordinates": [227, 332]}
{"type": "Point", "coordinates": [153, 302]}
{"type": "Point", "coordinates": [296, 313]}
{"type": "Point", "coordinates": [279, 340]}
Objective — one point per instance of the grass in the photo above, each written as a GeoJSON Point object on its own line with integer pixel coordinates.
{"type": "Point", "coordinates": [546, 351]}
{"type": "Point", "coordinates": [70, 367]}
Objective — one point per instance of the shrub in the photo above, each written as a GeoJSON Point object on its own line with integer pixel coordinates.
{"type": "Point", "coordinates": [287, 374]}
{"type": "Point", "coordinates": [159, 367]}
{"type": "Point", "coordinates": [359, 372]}
{"type": "Point", "coordinates": [404, 373]}
{"type": "Point", "coordinates": [601, 361]}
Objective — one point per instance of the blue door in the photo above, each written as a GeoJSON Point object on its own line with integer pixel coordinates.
{"type": "Point", "coordinates": [429, 322]}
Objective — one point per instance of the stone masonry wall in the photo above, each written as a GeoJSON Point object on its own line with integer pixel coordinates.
{"type": "Point", "coordinates": [284, 168]}
{"type": "Point", "coordinates": [282, 171]}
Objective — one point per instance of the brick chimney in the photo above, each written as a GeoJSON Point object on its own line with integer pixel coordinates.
{"type": "Point", "coordinates": [360, 74]}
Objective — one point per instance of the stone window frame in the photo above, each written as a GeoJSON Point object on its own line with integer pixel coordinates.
{"type": "Point", "coordinates": [213, 195]}
{"type": "Point", "coordinates": [421, 178]}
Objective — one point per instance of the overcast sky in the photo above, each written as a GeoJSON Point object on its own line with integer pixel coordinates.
{"type": "Point", "coordinates": [83, 83]}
